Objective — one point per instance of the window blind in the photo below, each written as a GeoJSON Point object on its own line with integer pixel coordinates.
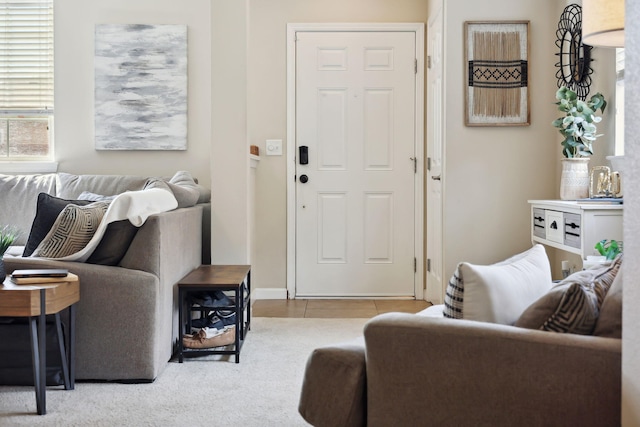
{"type": "Point", "coordinates": [26, 57]}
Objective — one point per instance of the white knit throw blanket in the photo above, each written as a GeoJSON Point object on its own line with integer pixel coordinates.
{"type": "Point", "coordinates": [136, 206]}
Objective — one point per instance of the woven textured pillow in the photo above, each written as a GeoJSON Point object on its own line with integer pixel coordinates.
{"type": "Point", "coordinates": [48, 208]}
{"type": "Point", "coordinates": [573, 305]}
{"type": "Point", "coordinates": [72, 230]}
{"type": "Point", "coordinates": [500, 292]}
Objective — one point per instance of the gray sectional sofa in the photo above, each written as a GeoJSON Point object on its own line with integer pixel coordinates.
{"type": "Point", "coordinates": [127, 315]}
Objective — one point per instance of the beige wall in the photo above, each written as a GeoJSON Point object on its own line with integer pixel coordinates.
{"type": "Point", "coordinates": [74, 88]}
{"type": "Point", "coordinates": [267, 105]}
{"type": "Point", "coordinates": [603, 81]}
{"type": "Point", "coordinates": [230, 149]}
{"type": "Point", "coordinates": [493, 171]}
{"type": "Point", "coordinates": [631, 266]}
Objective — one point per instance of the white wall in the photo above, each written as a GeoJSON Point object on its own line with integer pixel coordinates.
{"type": "Point", "coordinates": [74, 87]}
{"type": "Point", "coordinates": [631, 265]}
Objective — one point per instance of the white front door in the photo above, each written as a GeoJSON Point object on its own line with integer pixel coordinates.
{"type": "Point", "coordinates": [435, 143]}
{"type": "Point", "coordinates": [354, 197]}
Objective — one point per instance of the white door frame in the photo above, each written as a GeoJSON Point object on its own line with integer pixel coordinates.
{"type": "Point", "coordinates": [436, 296]}
{"type": "Point", "coordinates": [292, 29]}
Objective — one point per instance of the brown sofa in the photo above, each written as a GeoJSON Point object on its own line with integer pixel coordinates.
{"type": "Point", "coordinates": [415, 370]}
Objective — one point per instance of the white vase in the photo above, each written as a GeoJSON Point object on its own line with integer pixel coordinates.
{"type": "Point", "coordinates": [574, 182]}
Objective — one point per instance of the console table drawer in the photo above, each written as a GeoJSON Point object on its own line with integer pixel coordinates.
{"type": "Point", "coordinates": [554, 226]}
{"type": "Point", "coordinates": [574, 227]}
{"type": "Point", "coordinates": [538, 223]}
{"type": "Point", "coordinates": [572, 230]}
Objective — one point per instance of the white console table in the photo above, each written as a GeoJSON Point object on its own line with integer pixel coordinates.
{"type": "Point", "coordinates": [574, 227]}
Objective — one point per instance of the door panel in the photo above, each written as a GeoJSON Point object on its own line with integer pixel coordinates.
{"type": "Point", "coordinates": [355, 110]}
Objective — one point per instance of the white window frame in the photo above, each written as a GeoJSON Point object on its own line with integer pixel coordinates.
{"type": "Point", "coordinates": [26, 74]}
{"type": "Point", "coordinates": [619, 107]}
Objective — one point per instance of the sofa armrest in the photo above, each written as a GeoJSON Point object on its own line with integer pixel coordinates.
{"type": "Point", "coordinates": [455, 372]}
{"type": "Point", "coordinates": [334, 387]}
{"type": "Point", "coordinates": [167, 243]}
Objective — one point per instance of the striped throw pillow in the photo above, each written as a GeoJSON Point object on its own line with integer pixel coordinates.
{"type": "Point", "coordinates": [573, 305]}
{"type": "Point", "coordinates": [454, 296]}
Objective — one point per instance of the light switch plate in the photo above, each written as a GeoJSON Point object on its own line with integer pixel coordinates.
{"type": "Point", "coordinates": [274, 147]}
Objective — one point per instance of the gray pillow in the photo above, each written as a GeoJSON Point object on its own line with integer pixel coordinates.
{"type": "Point", "coordinates": [87, 195]}
{"type": "Point", "coordinates": [114, 243]}
{"type": "Point", "coordinates": [184, 179]}
{"type": "Point", "coordinates": [573, 305]}
{"type": "Point", "coordinates": [610, 320]}
{"type": "Point", "coordinates": [568, 307]}
{"type": "Point", "coordinates": [185, 195]}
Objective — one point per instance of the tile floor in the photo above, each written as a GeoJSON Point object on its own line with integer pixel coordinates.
{"type": "Point", "coordinates": [336, 308]}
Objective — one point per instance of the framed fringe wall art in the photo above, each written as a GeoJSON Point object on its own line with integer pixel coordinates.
{"type": "Point", "coordinates": [497, 73]}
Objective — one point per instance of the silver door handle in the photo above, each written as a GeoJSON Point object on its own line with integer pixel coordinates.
{"type": "Point", "coordinates": [436, 178]}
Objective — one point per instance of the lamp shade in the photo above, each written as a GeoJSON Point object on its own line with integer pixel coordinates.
{"type": "Point", "coordinates": [603, 23]}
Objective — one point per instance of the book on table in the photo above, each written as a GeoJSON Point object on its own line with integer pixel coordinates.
{"type": "Point", "coordinates": [47, 275]}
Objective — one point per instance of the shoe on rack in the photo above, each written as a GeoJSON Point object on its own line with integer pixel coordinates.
{"type": "Point", "coordinates": [227, 317]}
{"type": "Point", "coordinates": [212, 299]}
{"type": "Point", "coordinates": [210, 321]}
{"type": "Point", "coordinates": [200, 340]}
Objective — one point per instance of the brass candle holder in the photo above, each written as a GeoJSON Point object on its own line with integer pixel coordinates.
{"type": "Point", "coordinates": [604, 183]}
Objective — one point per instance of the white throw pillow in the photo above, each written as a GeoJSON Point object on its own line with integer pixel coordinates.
{"type": "Point", "coordinates": [498, 293]}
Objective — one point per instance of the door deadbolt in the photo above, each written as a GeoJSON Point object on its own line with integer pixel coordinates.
{"type": "Point", "coordinates": [304, 179]}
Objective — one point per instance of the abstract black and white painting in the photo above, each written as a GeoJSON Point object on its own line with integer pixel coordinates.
{"type": "Point", "coordinates": [140, 87]}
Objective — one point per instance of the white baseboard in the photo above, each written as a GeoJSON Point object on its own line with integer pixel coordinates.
{"type": "Point", "coordinates": [268, 293]}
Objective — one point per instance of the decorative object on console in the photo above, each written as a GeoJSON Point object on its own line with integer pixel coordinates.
{"type": "Point", "coordinates": [497, 92]}
{"type": "Point", "coordinates": [574, 70]}
{"type": "Point", "coordinates": [578, 124]}
{"type": "Point", "coordinates": [578, 128]}
{"type": "Point", "coordinates": [574, 181]}
{"type": "Point", "coordinates": [603, 183]}
{"type": "Point", "coordinates": [7, 237]}
{"type": "Point", "coordinates": [140, 87]}
{"type": "Point", "coordinates": [609, 248]}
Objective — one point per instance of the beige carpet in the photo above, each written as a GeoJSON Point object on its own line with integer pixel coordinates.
{"type": "Point", "coordinates": [262, 390]}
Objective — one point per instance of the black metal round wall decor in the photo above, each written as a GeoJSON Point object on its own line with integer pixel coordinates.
{"type": "Point", "coordinates": [574, 70]}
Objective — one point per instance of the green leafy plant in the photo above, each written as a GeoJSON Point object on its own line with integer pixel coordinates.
{"type": "Point", "coordinates": [578, 125]}
{"type": "Point", "coordinates": [609, 248]}
{"type": "Point", "coordinates": [7, 236]}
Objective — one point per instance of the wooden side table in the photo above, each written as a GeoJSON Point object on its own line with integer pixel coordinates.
{"type": "Point", "coordinates": [230, 278]}
{"type": "Point", "coordinates": [35, 301]}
